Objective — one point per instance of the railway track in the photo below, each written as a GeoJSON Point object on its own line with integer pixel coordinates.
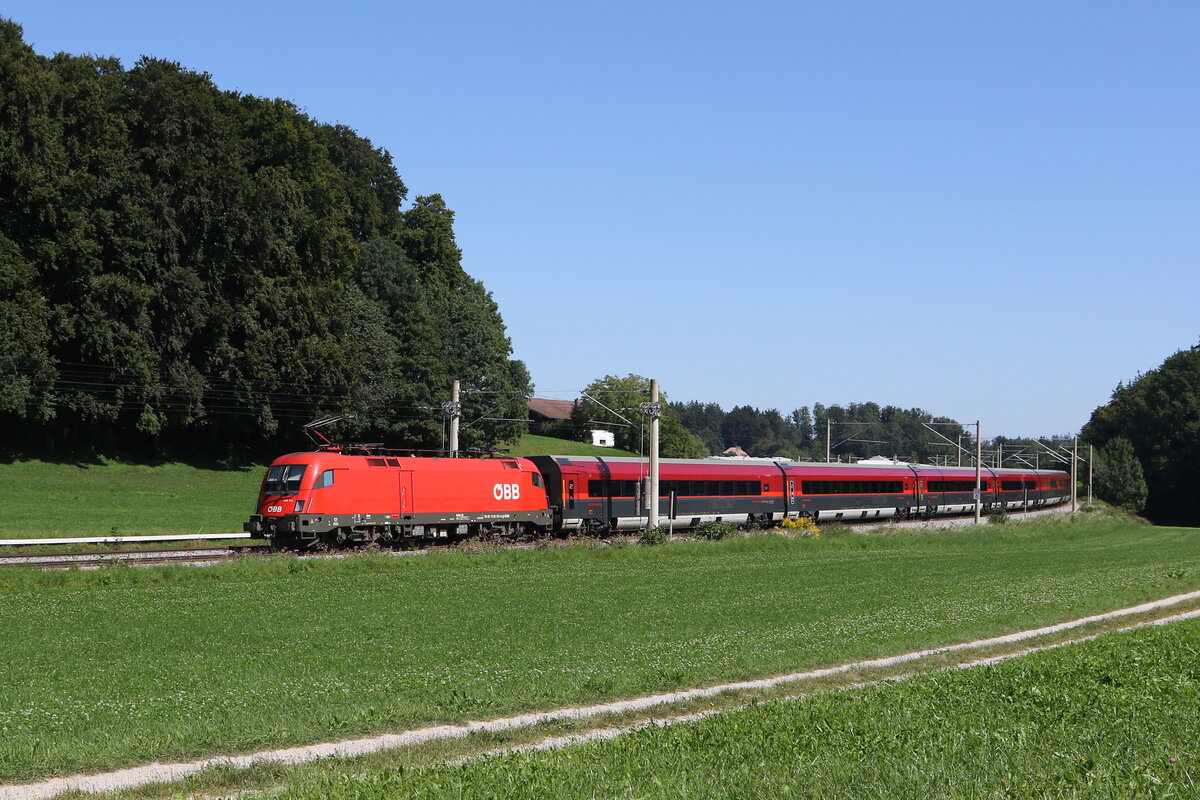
{"type": "Point", "coordinates": [133, 558]}
{"type": "Point", "coordinates": [212, 555]}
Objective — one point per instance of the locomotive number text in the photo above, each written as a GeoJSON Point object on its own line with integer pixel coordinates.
{"type": "Point", "coordinates": [506, 491]}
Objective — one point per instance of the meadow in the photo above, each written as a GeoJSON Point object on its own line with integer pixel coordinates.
{"type": "Point", "coordinates": [174, 662]}
{"type": "Point", "coordinates": [103, 498]}
{"type": "Point", "coordinates": [1110, 718]}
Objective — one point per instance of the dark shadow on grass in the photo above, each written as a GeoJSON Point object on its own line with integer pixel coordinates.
{"type": "Point", "coordinates": [88, 459]}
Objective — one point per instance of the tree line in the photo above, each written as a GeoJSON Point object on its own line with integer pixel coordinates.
{"type": "Point", "coordinates": [853, 431]}
{"type": "Point", "coordinates": [1148, 436]}
{"type": "Point", "coordinates": [189, 270]}
{"type": "Point", "coordinates": [697, 429]}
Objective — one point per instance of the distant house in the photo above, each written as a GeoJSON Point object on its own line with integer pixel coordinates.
{"type": "Point", "coordinates": [543, 413]}
{"type": "Point", "coordinates": [603, 438]}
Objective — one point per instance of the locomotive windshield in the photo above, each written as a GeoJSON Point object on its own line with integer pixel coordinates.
{"type": "Point", "coordinates": [284, 479]}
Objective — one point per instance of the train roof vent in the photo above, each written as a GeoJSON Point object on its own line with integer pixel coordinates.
{"type": "Point", "coordinates": [511, 464]}
{"type": "Point", "coordinates": [376, 462]}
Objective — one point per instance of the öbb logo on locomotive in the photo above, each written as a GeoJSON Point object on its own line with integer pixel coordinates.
{"type": "Point", "coordinates": [358, 494]}
{"type": "Point", "coordinates": [506, 491]}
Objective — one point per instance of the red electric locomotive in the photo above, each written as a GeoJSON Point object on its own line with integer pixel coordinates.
{"type": "Point", "coordinates": [330, 496]}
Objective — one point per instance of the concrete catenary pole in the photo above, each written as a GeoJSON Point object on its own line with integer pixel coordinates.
{"type": "Point", "coordinates": [652, 490]}
{"type": "Point", "coordinates": [455, 410]}
{"type": "Point", "coordinates": [978, 459]}
{"type": "Point", "coordinates": [828, 428]}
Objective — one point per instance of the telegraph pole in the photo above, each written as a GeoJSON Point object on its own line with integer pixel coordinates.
{"type": "Point", "coordinates": [978, 457]}
{"type": "Point", "coordinates": [454, 409]}
{"type": "Point", "coordinates": [653, 410]}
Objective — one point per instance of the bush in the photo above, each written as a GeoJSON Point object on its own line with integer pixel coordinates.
{"type": "Point", "coordinates": [998, 515]}
{"type": "Point", "coordinates": [1119, 477]}
{"type": "Point", "coordinates": [653, 536]}
{"type": "Point", "coordinates": [715, 531]}
{"type": "Point", "coordinates": [801, 526]}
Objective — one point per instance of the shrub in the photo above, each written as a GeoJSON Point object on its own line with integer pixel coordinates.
{"type": "Point", "coordinates": [801, 526]}
{"type": "Point", "coordinates": [715, 531]}
{"type": "Point", "coordinates": [998, 515]}
{"type": "Point", "coordinates": [1119, 478]}
{"type": "Point", "coordinates": [653, 536]}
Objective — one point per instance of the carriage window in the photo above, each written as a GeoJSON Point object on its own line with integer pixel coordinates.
{"type": "Point", "coordinates": [852, 487]}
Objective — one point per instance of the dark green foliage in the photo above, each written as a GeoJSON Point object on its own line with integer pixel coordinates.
{"type": "Point", "coordinates": [1159, 413]}
{"type": "Point", "coordinates": [24, 339]}
{"type": "Point", "coordinates": [715, 531]}
{"type": "Point", "coordinates": [185, 269]}
{"type": "Point", "coordinates": [652, 537]}
{"type": "Point", "coordinates": [1119, 478]}
{"type": "Point", "coordinates": [801, 434]}
{"type": "Point", "coordinates": [624, 396]}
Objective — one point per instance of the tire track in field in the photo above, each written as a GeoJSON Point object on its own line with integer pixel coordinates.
{"type": "Point", "coordinates": [597, 734]}
{"type": "Point", "coordinates": [165, 773]}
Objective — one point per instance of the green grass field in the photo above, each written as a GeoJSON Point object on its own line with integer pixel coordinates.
{"type": "Point", "coordinates": [53, 500]}
{"type": "Point", "coordinates": [1112, 718]}
{"type": "Point", "coordinates": [168, 663]}
{"type": "Point", "coordinates": [50, 500]}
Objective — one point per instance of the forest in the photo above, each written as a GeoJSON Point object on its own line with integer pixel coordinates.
{"type": "Point", "coordinates": [186, 270]}
{"type": "Point", "coordinates": [1151, 427]}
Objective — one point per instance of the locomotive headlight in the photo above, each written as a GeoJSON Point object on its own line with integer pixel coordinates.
{"type": "Point", "coordinates": [299, 506]}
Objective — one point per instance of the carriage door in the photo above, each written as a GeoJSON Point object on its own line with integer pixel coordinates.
{"type": "Point", "coordinates": [406, 498]}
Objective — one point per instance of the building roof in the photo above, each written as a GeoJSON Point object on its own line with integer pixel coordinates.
{"type": "Point", "coordinates": [551, 409]}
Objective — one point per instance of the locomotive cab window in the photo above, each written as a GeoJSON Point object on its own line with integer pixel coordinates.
{"type": "Point", "coordinates": [284, 478]}
{"type": "Point", "coordinates": [324, 479]}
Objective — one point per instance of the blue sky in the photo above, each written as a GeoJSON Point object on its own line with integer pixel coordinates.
{"type": "Point", "coordinates": [987, 210]}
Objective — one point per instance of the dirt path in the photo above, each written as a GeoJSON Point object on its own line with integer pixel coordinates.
{"type": "Point", "coordinates": [154, 773]}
